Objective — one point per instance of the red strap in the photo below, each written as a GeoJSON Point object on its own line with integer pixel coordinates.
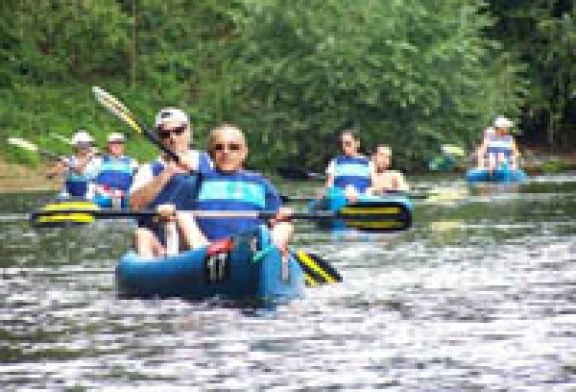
{"type": "Point", "coordinates": [222, 246]}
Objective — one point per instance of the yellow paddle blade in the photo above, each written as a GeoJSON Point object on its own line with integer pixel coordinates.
{"type": "Point", "coordinates": [65, 218]}
{"type": "Point", "coordinates": [117, 108]}
{"type": "Point", "coordinates": [316, 270]}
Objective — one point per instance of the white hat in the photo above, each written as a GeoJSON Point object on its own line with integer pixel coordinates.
{"type": "Point", "coordinates": [115, 137]}
{"type": "Point", "coordinates": [502, 122]}
{"type": "Point", "coordinates": [82, 137]}
{"type": "Point", "coordinates": [171, 114]}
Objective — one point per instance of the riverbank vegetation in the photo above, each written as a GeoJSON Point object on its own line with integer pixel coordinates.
{"type": "Point", "coordinates": [414, 74]}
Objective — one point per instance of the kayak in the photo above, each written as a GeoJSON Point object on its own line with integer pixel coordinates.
{"type": "Point", "coordinates": [503, 175]}
{"type": "Point", "coordinates": [396, 204]}
{"type": "Point", "coordinates": [246, 267]}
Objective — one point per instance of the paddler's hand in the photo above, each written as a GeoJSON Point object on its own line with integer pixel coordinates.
{"type": "Point", "coordinates": [284, 215]}
{"type": "Point", "coordinates": [184, 166]}
{"type": "Point", "coordinates": [166, 212]}
{"type": "Point", "coordinates": [351, 194]}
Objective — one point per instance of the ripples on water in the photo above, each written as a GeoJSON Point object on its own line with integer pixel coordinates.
{"type": "Point", "coordinates": [479, 295]}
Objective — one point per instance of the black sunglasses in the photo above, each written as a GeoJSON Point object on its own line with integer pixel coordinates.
{"type": "Point", "coordinates": [165, 133]}
{"type": "Point", "coordinates": [230, 146]}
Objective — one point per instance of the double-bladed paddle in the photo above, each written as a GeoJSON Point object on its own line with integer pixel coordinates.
{"type": "Point", "coordinates": [317, 271]}
{"type": "Point", "coordinates": [373, 217]}
{"type": "Point", "coordinates": [29, 146]}
{"type": "Point", "coordinates": [123, 113]}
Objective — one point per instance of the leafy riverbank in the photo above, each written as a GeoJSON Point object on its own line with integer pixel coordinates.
{"type": "Point", "coordinates": [22, 178]}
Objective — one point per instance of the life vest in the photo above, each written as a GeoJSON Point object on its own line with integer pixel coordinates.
{"type": "Point", "coordinates": [354, 171]}
{"type": "Point", "coordinates": [78, 185]}
{"type": "Point", "coordinates": [116, 172]}
{"type": "Point", "coordinates": [239, 191]}
{"type": "Point", "coordinates": [181, 191]}
{"type": "Point", "coordinates": [500, 145]}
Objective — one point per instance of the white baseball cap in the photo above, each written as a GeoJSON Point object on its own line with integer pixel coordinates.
{"type": "Point", "coordinates": [503, 122]}
{"type": "Point", "coordinates": [82, 136]}
{"type": "Point", "coordinates": [171, 114]}
{"type": "Point", "coordinates": [115, 137]}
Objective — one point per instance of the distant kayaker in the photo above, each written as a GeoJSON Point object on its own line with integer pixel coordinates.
{"type": "Point", "coordinates": [165, 182]}
{"type": "Point", "coordinates": [115, 174]}
{"type": "Point", "coordinates": [351, 171]}
{"type": "Point", "coordinates": [499, 148]}
{"type": "Point", "coordinates": [384, 180]}
{"type": "Point", "coordinates": [80, 169]}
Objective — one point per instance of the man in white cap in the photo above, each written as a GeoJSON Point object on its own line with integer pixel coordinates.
{"type": "Point", "coordinates": [80, 168]}
{"type": "Point", "coordinates": [165, 181]}
{"type": "Point", "coordinates": [115, 174]}
{"type": "Point", "coordinates": [500, 148]}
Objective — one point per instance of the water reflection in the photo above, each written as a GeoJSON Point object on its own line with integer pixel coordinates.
{"type": "Point", "coordinates": [479, 295]}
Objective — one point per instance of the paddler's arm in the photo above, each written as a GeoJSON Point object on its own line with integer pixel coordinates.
{"type": "Point", "coordinates": [330, 170]}
{"type": "Point", "coordinates": [142, 195]}
{"type": "Point", "coordinates": [189, 231]}
{"type": "Point", "coordinates": [515, 154]}
{"type": "Point", "coordinates": [480, 154]}
{"type": "Point", "coordinates": [58, 168]}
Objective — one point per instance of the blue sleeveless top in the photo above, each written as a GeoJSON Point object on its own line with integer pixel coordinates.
{"type": "Point", "coordinates": [354, 171]}
{"type": "Point", "coordinates": [239, 191]}
{"type": "Point", "coordinates": [500, 145]}
{"type": "Point", "coordinates": [116, 173]}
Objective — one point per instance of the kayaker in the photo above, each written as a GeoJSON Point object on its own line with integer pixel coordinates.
{"type": "Point", "coordinates": [231, 188]}
{"type": "Point", "coordinates": [349, 172]}
{"type": "Point", "coordinates": [167, 182]}
{"type": "Point", "coordinates": [499, 148]}
{"type": "Point", "coordinates": [115, 174]}
{"type": "Point", "coordinates": [80, 169]}
{"type": "Point", "coordinates": [384, 180]}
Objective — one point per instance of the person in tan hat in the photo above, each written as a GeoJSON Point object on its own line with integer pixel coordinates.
{"type": "Point", "coordinates": [499, 149]}
{"type": "Point", "coordinates": [167, 182]}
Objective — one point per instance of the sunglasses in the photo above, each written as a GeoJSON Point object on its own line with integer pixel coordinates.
{"type": "Point", "coordinates": [165, 133]}
{"type": "Point", "coordinates": [346, 143]}
{"type": "Point", "coordinates": [230, 147]}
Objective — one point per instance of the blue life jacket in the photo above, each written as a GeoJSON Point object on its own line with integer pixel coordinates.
{"type": "Point", "coordinates": [500, 145]}
{"type": "Point", "coordinates": [116, 173]}
{"type": "Point", "coordinates": [181, 190]}
{"type": "Point", "coordinates": [354, 171]}
{"type": "Point", "coordinates": [77, 185]}
{"type": "Point", "coordinates": [239, 191]}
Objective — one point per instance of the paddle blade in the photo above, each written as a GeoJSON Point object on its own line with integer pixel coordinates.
{"type": "Point", "coordinates": [296, 173]}
{"type": "Point", "coordinates": [377, 216]}
{"type": "Point", "coordinates": [117, 108]}
{"type": "Point", "coordinates": [64, 213]}
{"type": "Point", "coordinates": [316, 270]}
{"type": "Point", "coordinates": [23, 144]}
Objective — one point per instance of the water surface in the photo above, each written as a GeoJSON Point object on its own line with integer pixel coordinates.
{"type": "Point", "coordinates": [479, 295]}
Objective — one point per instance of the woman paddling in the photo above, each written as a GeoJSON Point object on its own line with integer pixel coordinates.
{"type": "Point", "coordinates": [351, 171]}
{"type": "Point", "coordinates": [499, 149]}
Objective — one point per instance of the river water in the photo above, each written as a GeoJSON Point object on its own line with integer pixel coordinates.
{"type": "Point", "coordinates": [479, 295]}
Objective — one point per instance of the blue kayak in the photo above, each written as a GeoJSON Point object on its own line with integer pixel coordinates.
{"type": "Point", "coordinates": [335, 201]}
{"type": "Point", "coordinates": [502, 175]}
{"type": "Point", "coordinates": [245, 267]}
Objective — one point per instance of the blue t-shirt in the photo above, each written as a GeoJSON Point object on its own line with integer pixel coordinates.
{"type": "Point", "coordinates": [239, 191]}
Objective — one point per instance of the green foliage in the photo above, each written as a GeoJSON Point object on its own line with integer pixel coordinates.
{"type": "Point", "coordinates": [413, 74]}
